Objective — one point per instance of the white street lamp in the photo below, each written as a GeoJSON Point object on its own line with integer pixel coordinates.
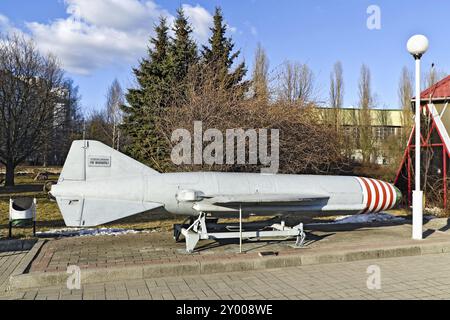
{"type": "Point", "coordinates": [417, 46]}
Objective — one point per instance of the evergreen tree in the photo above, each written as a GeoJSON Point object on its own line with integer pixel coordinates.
{"type": "Point", "coordinates": [146, 103]}
{"type": "Point", "coordinates": [219, 57]}
{"type": "Point", "coordinates": [183, 49]}
{"type": "Point", "coordinates": [162, 84]}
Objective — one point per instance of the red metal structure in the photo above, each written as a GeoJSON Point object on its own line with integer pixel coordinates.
{"type": "Point", "coordinates": [435, 144]}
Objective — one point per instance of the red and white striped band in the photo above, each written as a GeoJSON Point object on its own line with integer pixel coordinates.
{"type": "Point", "coordinates": [377, 195]}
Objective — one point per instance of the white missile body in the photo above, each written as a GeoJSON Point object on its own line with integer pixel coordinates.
{"type": "Point", "coordinates": [100, 185]}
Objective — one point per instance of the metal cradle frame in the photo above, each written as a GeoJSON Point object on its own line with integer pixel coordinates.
{"type": "Point", "coordinates": [198, 230]}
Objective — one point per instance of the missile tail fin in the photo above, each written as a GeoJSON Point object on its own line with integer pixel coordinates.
{"type": "Point", "coordinates": [89, 160]}
{"type": "Point", "coordinates": [90, 164]}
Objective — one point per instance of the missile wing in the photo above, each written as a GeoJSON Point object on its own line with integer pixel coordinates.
{"type": "Point", "coordinates": [263, 198]}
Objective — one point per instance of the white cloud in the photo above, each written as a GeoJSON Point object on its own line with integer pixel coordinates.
{"type": "Point", "coordinates": [4, 22]}
{"type": "Point", "coordinates": [101, 33]}
{"type": "Point", "coordinates": [7, 27]}
{"type": "Point", "coordinates": [201, 21]}
{"type": "Point", "coordinates": [84, 47]}
{"type": "Point", "coordinates": [117, 14]}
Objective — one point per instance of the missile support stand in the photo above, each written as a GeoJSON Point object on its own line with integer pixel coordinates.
{"type": "Point", "coordinates": [200, 229]}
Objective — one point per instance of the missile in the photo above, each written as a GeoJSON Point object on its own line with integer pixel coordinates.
{"type": "Point", "coordinates": [99, 185]}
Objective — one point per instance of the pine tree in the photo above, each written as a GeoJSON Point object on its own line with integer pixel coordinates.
{"type": "Point", "coordinates": [219, 57]}
{"type": "Point", "coordinates": [147, 102]}
{"type": "Point", "coordinates": [183, 49]}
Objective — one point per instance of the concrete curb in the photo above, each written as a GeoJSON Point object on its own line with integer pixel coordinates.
{"type": "Point", "coordinates": [22, 267]}
{"type": "Point", "coordinates": [16, 245]}
{"type": "Point", "coordinates": [88, 276]}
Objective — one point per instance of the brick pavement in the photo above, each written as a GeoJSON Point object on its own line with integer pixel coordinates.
{"type": "Point", "coordinates": [8, 262]}
{"type": "Point", "coordinates": [160, 248]}
{"type": "Point", "coordinates": [419, 277]}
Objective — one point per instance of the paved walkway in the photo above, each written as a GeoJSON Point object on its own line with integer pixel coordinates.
{"type": "Point", "coordinates": [159, 248]}
{"type": "Point", "coordinates": [8, 262]}
{"type": "Point", "coordinates": [419, 277]}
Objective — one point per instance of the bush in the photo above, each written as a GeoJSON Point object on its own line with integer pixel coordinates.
{"type": "Point", "coordinates": [306, 145]}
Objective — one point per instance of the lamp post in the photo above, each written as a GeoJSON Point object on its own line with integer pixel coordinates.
{"type": "Point", "coordinates": [417, 46]}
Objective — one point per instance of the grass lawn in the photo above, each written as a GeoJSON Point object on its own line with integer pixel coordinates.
{"type": "Point", "coordinates": [49, 217]}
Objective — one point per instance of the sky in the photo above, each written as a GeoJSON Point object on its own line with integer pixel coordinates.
{"type": "Point", "coordinates": [100, 40]}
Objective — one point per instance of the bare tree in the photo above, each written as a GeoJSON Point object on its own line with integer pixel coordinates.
{"type": "Point", "coordinates": [433, 76]}
{"type": "Point", "coordinates": [67, 126]}
{"type": "Point", "coordinates": [405, 94]}
{"type": "Point", "coordinates": [306, 144]}
{"type": "Point", "coordinates": [365, 104]}
{"type": "Point", "coordinates": [30, 89]}
{"type": "Point", "coordinates": [260, 81]}
{"type": "Point", "coordinates": [296, 84]}
{"type": "Point", "coordinates": [114, 100]}
{"type": "Point", "coordinates": [336, 93]}
{"type": "Point", "coordinates": [97, 126]}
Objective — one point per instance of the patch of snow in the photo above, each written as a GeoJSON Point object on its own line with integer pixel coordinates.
{"type": "Point", "coordinates": [369, 218]}
{"type": "Point", "coordinates": [92, 232]}
{"type": "Point", "coordinates": [435, 211]}
{"type": "Point", "coordinates": [364, 218]}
